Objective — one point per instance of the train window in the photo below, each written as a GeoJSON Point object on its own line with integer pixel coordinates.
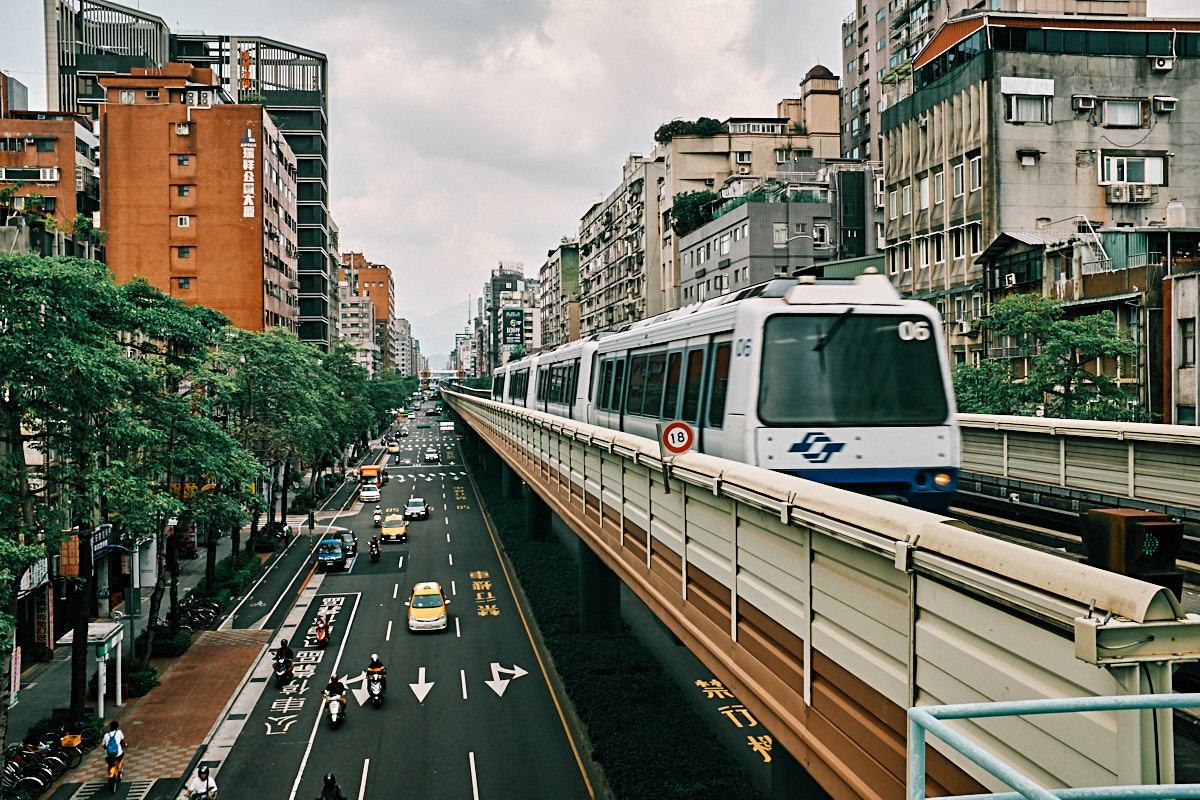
{"type": "Point", "coordinates": [618, 385]}
{"type": "Point", "coordinates": [719, 385]}
{"type": "Point", "coordinates": [691, 386]}
{"type": "Point", "coordinates": [637, 379]}
{"type": "Point", "coordinates": [572, 383]}
{"type": "Point", "coordinates": [605, 386]}
{"type": "Point", "coordinates": [851, 369]}
{"type": "Point", "coordinates": [497, 387]}
{"type": "Point", "coordinates": [671, 390]}
{"type": "Point", "coordinates": [543, 376]}
{"type": "Point", "coordinates": [655, 368]}
{"type": "Point", "coordinates": [593, 377]}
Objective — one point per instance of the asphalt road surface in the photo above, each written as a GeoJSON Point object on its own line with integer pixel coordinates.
{"type": "Point", "coordinates": [468, 712]}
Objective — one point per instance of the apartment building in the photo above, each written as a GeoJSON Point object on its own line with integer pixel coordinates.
{"type": "Point", "coordinates": [1048, 154]}
{"type": "Point", "coordinates": [881, 38]}
{"type": "Point", "coordinates": [807, 126]}
{"type": "Point", "coordinates": [404, 347]}
{"type": "Point", "coordinates": [199, 197]}
{"type": "Point", "coordinates": [559, 301]}
{"type": "Point", "coordinates": [376, 282]}
{"type": "Point", "coordinates": [618, 251]}
{"type": "Point", "coordinates": [54, 156]}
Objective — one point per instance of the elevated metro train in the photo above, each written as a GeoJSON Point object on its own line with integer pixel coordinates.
{"type": "Point", "coordinates": [837, 381]}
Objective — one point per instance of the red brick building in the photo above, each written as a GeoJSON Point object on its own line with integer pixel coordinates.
{"type": "Point", "coordinates": [54, 155]}
{"type": "Point", "coordinates": [199, 195]}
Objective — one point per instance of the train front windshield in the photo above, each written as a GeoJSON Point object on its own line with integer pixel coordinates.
{"type": "Point", "coordinates": [850, 369]}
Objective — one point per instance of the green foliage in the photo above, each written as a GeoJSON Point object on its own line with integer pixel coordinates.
{"type": "Point", "coordinates": [91, 730]}
{"type": "Point", "coordinates": [690, 210]}
{"type": "Point", "coordinates": [252, 98]}
{"type": "Point", "coordinates": [478, 383]}
{"type": "Point", "coordinates": [1061, 354]}
{"type": "Point", "coordinates": [142, 681]}
{"type": "Point", "coordinates": [86, 232]}
{"type": "Point", "coordinates": [704, 126]}
{"type": "Point", "coordinates": [165, 645]}
{"type": "Point", "coordinates": [233, 573]}
{"type": "Point", "coordinates": [645, 736]}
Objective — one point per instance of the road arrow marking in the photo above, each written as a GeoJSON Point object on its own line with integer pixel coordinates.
{"type": "Point", "coordinates": [360, 693]}
{"type": "Point", "coordinates": [496, 684]}
{"type": "Point", "coordinates": [421, 687]}
{"type": "Point", "coordinates": [257, 604]}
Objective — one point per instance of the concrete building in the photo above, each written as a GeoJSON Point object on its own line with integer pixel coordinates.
{"type": "Point", "coordinates": [1181, 309]}
{"type": "Point", "coordinates": [56, 156]}
{"type": "Point", "coordinates": [356, 319]}
{"type": "Point", "coordinates": [14, 95]}
{"type": "Point", "coordinates": [404, 348]}
{"type": "Point", "coordinates": [793, 222]}
{"type": "Point", "coordinates": [199, 197]}
{"type": "Point", "coordinates": [86, 39]}
{"type": "Point", "coordinates": [559, 300]}
{"type": "Point", "coordinates": [1026, 150]}
{"type": "Point", "coordinates": [376, 282]}
{"type": "Point", "coordinates": [502, 314]}
{"type": "Point", "coordinates": [462, 358]}
{"type": "Point", "coordinates": [802, 127]}
{"type": "Point", "coordinates": [881, 38]}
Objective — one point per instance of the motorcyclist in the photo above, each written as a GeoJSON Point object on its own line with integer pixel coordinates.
{"type": "Point", "coordinates": [201, 785]}
{"type": "Point", "coordinates": [378, 517]}
{"type": "Point", "coordinates": [335, 688]}
{"type": "Point", "coordinates": [377, 666]}
{"type": "Point", "coordinates": [321, 628]}
{"type": "Point", "coordinates": [331, 790]}
{"type": "Point", "coordinates": [284, 652]}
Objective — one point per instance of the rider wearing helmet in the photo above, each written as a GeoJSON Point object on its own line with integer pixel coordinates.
{"type": "Point", "coordinates": [284, 651]}
{"type": "Point", "coordinates": [377, 666]}
{"type": "Point", "coordinates": [331, 790]}
{"type": "Point", "coordinates": [202, 785]}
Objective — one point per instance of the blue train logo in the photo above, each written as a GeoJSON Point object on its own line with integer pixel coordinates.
{"type": "Point", "coordinates": [817, 448]}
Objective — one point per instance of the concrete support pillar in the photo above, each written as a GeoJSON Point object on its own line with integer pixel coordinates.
{"type": "Point", "coordinates": [791, 781]}
{"type": "Point", "coordinates": [492, 461]}
{"type": "Point", "coordinates": [510, 484]}
{"type": "Point", "coordinates": [599, 594]}
{"type": "Point", "coordinates": [537, 515]}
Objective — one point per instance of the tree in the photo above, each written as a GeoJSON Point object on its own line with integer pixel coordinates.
{"type": "Point", "coordinates": [986, 389]}
{"type": "Point", "coordinates": [1061, 353]}
{"type": "Point", "coordinates": [704, 126]}
{"type": "Point", "coordinates": [690, 210]}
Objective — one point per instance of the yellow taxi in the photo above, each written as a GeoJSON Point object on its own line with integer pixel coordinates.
{"type": "Point", "coordinates": [395, 529]}
{"type": "Point", "coordinates": [393, 447]}
{"type": "Point", "coordinates": [427, 607]}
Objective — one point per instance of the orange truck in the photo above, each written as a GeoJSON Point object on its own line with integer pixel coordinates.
{"type": "Point", "coordinates": [369, 475]}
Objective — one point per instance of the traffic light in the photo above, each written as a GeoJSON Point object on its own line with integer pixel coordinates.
{"type": "Point", "coordinates": [1140, 544]}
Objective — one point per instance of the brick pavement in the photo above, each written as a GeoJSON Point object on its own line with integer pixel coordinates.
{"type": "Point", "coordinates": [168, 725]}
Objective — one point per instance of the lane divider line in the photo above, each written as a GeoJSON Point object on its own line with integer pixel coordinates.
{"type": "Point", "coordinates": [451, 557]}
{"type": "Point", "coordinates": [474, 780]}
{"type": "Point", "coordinates": [362, 787]}
{"type": "Point", "coordinates": [463, 675]}
{"type": "Point", "coordinates": [388, 636]}
{"type": "Point", "coordinates": [395, 590]}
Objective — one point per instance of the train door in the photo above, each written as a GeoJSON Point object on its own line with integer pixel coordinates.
{"type": "Point", "coordinates": [691, 388]}
{"type": "Point", "coordinates": [717, 440]}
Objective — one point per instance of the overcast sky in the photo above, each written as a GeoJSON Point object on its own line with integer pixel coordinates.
{"type": "Point", "coordinates": [466, 132]}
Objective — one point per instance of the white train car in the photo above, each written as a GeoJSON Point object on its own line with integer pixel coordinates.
{"type": "Point", "coordinates": [837, 381]}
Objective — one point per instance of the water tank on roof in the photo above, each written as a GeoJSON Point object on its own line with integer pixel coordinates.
{"type": "Point", "coordinates": [1176, 214]}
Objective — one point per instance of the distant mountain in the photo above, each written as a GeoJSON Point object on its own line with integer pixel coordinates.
{"type": "Point", "coordinates": [436, 331]}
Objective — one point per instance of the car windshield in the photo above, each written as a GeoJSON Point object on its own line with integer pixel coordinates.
{"type": "Point", "coordinates": [329, 548]}
{"type": "Point", "coordinates": [416, 505]}
{"type": "Point", "coordinates": [426, 601]}
{"type": "Point", "coordinates": [850, 369]}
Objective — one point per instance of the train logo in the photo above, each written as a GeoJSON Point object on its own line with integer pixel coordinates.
{"type": "Point", "coordinates": [817, 448]}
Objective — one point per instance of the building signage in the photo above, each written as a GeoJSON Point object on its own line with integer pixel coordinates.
{"type": "Point", "coordinates": [245, 65]}
{"type": "Point", "coordinates": [512, 326]}
{"type": "Point", "coordinates": [35, 576]}
{"type": "Point", "coordinates": [68, 555]}
{"type": "Point", "coordinates": [249, 170]}
{"type": "Point", "coordinates": [100, 538]}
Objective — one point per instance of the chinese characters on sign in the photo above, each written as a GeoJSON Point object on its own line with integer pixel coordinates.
{"type": "Point", "coordinates": [245, 63]}
{"type": "Point", "coordinates": [485, 601]}
{"type": "Point", "coordinates": [286, 710]}
{"type": "Point", "coordinates": [249, 168]}
{"type": "Point", "coordinates": [737, 713]}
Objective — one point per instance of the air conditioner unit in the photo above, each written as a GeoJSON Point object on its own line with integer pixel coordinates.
{"type": "Point", "coordinates": [963, 326]}
{"type": "Point", "coordinates": [1165, 105]}
{"type": "Point", "coordinates": [205, 98]}
{"type": "Point", "coordinates": [1161, 63]}
{"type": "Point", "coordinates": [743, 170]}
{"type": "Point", "coordinates": [1117, 193]}
{"type": "Point", "coordinates": [1010, 279]}
{"type": "Point", "coordinates": [1083, 102]}
{"type": "Point", "coordinates": [1143, 192]}
{"type": "Point", "coordinates": [182, 129]}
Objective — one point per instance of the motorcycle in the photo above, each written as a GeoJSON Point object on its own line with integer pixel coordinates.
{"type": "Point", "coordinates": [322, 635]}
{"type": "Point", "coordinates": [374, 552]}
{"type": "Point", "coordinates": [378, 520]}
{"type": "Point", "coordinates": [283, 672]}
{"type": "Point", "coordinates": [375, 688]}
{"type": "Point", "coordinates": [335, 709]}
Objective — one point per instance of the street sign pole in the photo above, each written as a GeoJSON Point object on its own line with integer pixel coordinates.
{"type": "Point", "coordinates": [674, 438]}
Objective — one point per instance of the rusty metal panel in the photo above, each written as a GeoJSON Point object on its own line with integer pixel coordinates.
{"type": "Point", "coordinates": [1098, 465]}
{"type": "Point", "coordinates": [968, 651]}
{"type": "Point", "coordinates": [860, 615]}
{"type": "Point", "coordinates": [1033, 457]}
{"type": "Point", "coordinates": [983, 451]}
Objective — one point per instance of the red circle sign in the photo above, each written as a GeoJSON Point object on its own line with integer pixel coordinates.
{"type": "Point", "coordinates": [678, 437]}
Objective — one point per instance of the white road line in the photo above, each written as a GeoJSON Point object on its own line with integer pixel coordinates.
{"type": "Point", "coordinates": [447, 520]}
{"type": "Point", "coordinates": [395, 590]}
{"type": "Point", "coordinates": [453, 590]}
{"type": "Point", "coordinates": [401, 564]}
{"type": "Point", "coordinates": [362, 787]}
{"type": "Point", "coordinates": [457, 631]}
{"type": "Point", "coordinates": [388, 637]}
{"type": "Point", "coordinates": [451, 557]}
{"type": "Point", "coordinates": [474, 780]}
{"type": "Point", "coordinates": [447, 538]}
{"type": "Point", "coordinates": [463, 675]}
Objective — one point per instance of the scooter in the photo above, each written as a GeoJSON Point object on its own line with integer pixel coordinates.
{"type": "Point", "coordinates": [322, 635]}
{"type": "Point", "coordinates": [283, 672]}
{"type": "Point", "coordinates": [374, 550]}
{"type": "Point", "coordinates": [378, 520]}
{"type": "Point", "coordinates": [335, 709]}
{"type": "Point", "coordinates": [375, 688]}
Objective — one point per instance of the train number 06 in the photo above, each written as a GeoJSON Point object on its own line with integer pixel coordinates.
{"type": "Point", "coordinates": [914, 330]}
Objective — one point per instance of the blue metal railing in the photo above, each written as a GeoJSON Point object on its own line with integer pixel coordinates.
{"type": "Point", "coordinates": [928, 719]}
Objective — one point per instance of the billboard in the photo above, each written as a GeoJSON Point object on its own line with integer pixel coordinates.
{"type": "Point", "coordinates": [512, 328]}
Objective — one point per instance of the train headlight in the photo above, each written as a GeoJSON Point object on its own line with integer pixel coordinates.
{"type": "Point", "coordinates": [942, 479]}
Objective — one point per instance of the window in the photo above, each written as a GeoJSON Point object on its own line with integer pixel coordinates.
{"type": "Point", "coordinates": [1131, 169]}
{"type": "Point", "coordinates": [906, 200]}
{"type": "Point", "coordinates": [743, 156]}
{"type": "Point", "coordinates": [185, 222]}
{"type": "Point", "coordinates": [185, 283]}
{"type": "Point", "coordinates": [956, 243]}
{"type": "Point", "coordinates": [780, 234]}
{"type": "Point", "coordinates": [185, 252]}
{"type": "Point", "coordinates": [152, 94]}
{"type": "Point", "coordinates": [976, 173]}
{"type": "Point", "coordinates": [724, 249]}
{"type": "Point", "coordinates": [906, 257]}
{"type": "Point", "coordinates": [976, 238]}
{"type": "Point", "coordinates": [923, 251]}
{"type": "Point", "coordinates": [719, 385]}
{"type": "Point", "coordinates": [923, 193]}
{"type": "Point", "coordinates": [1024, 108]}
{"type": "Point", "coordinates": [181, 159]}
{"type": "Point", "coordinates": [127, 96]}
{"type": "Point", "coordinates": [939, 250]}
{"type": "Point", "coordinates": [45, 145]}
{"type": "Point", "coordinates": [1123, 113]}
{"type": "Point", "coordinates": [692, 386]}
{"type": "Point", "coordinates": [1187, 342]}
{"type": "Point", "coordinates": [183, 190]}
{"type": "Point", "coordinates": [958, 180]}
{"type": "Point", "coordinates": [781, 156]}
{"type": "Point", "coordinates": [893, 206]}
{"type": "Point", "coordinates": [1185, 415]}
{"type": "Point", "coordinates": [939, 189]}
{"type": "Point", "coordinates": [820, 234]}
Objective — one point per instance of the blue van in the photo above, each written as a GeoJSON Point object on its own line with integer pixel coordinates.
{"type": "Point", "coordinates": [330, 554]}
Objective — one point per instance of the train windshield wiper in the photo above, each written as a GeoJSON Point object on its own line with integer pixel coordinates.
{"type": "Point", "coordinates": [833, 329]}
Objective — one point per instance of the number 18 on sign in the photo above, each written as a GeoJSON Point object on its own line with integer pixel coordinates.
{"type": "Point", "coordinates": [674, 438]}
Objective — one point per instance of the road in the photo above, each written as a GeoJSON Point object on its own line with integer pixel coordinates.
{"type": "Point", "coordinates": [469, 712]}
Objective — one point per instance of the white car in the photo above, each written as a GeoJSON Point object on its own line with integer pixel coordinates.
{"type": "Point", "coordinates": [369, 494]}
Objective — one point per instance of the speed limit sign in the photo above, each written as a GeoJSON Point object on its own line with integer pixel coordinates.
{"type": "Point", "coordinates": [676, 437]}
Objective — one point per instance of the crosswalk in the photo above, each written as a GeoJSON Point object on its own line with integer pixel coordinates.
{"type": "Point", "coordinates": [137, 789]}
{"type": "Point", "coordinates": [429, 476]}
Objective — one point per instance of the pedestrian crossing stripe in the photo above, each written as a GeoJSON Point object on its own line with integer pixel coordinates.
{"type": "Point", "coordinates": [137, 789]}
